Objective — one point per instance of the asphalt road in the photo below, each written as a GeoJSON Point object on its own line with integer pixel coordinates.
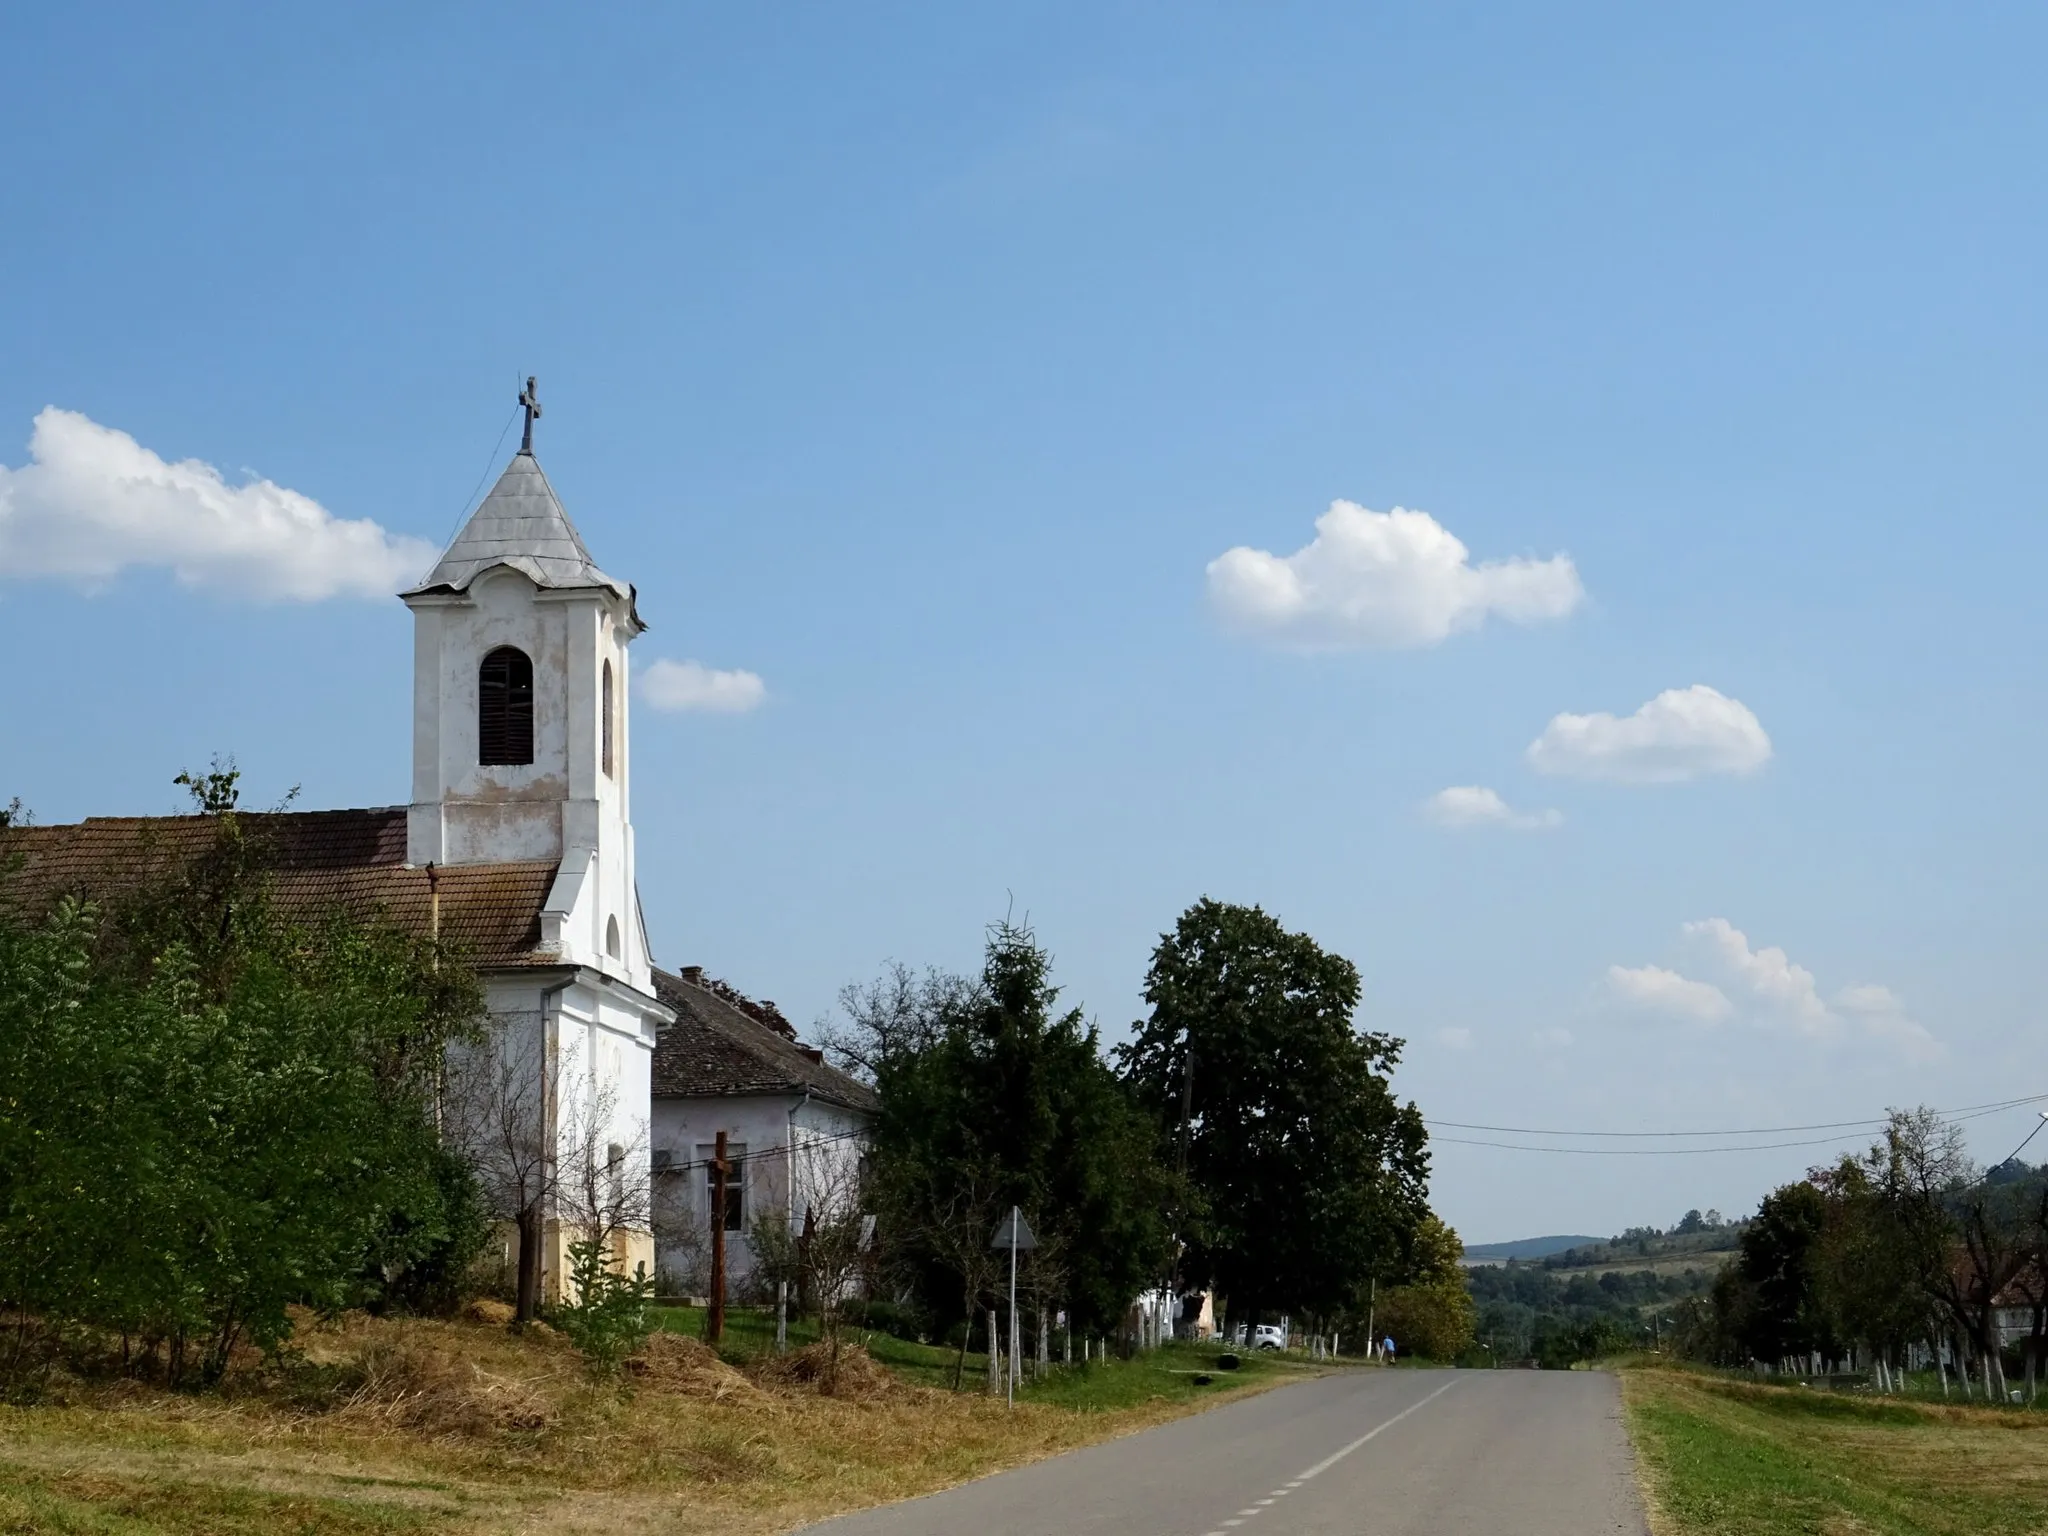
{"type": "Point", "coordinates": [1363, 1452]}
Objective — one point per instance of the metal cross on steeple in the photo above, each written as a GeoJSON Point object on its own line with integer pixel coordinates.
{"type": "Point", "coordinates": [529, 398]}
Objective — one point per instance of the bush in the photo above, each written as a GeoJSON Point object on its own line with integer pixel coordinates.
{"type": "Point", "coordinates": [209, 1114]}
{"type": "Point", "coordinates": [612, 1314]}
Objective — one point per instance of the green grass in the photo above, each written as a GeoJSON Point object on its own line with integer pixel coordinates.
{"type": "Point", "coordinates": [1729, 1457]}
{"type": "Point", "coordinates": [103, 1504]}
{"type": "Point", "coordinates": [1165, 1374]}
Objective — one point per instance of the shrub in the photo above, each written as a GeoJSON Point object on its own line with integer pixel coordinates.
{"type": "Point", "coordinates": [613, 1313]}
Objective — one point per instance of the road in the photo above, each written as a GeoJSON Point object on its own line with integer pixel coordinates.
{"type": "Point", "coordinates": [1362, 1452]}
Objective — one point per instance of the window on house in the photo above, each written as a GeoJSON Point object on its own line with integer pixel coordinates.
{"type": "Point", "coordinates": [611, 937]}
{"type": "Point", "coordinates": [735, 1182]}
{"type": "Point", "coordinates": [504, 707]}
{"type": "Point", "coordinates": [606, 755]}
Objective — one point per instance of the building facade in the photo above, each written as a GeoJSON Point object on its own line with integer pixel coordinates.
{"type": "Point", "coordinates": [796, 1130]}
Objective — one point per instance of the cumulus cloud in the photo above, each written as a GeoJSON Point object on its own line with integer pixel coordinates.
{"type": "Point", "coordinates": [1881, 1013]}
{"type": "Point", "coordinates": [1680, 734]}
{"type": "Point", "coordinates": [1766, 989]}
{"type": "Point", "coordinates": [92, 502]}
{"type": "Point", "coordinates": [1657, 990]}
{"type": "Point", "coordinates": [1471, 805]}
{"type": "Point", "coordinates": [690, 685]}
{"type": "Point", "coordinates": [1388, 580]}
{"type": "Point", "coordinates": [1768, 976]}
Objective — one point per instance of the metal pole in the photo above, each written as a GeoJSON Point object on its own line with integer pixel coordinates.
{"type": "Point", "coordinates": [1011, 1378]}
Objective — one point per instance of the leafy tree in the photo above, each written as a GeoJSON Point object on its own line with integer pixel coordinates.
{"type": "Point", "coordinates": [1311, 1178]}
{"type": "Point", "coordinates": [208, 1113]}
{"type": "Point", "coordinates": [1432, 1314]}
{"type": "Point", "coordinates": [992, 1097]}
{"type": "Point", "coordinates": [1786, 1310]}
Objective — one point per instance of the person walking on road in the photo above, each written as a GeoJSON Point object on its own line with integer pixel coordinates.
{"type": "Point", "coordinates": [1388, 1346]}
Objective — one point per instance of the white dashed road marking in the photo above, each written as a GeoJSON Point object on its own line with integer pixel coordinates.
{"type": "Point", "coordinates": [1327, 1462]}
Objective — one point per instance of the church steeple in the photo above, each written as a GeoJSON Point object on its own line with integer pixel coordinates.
{"type": "Point", "coordinates": [521, 726]}
{"type": "Point", "coordinates": [523, 525]}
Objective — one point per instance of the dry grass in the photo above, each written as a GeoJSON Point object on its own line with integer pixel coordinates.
{"type": "Point", "coordinates": [465, 1427]}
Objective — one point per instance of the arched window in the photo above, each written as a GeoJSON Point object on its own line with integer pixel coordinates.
{"type": "Point", "coordinates": [504, 707]}
{"type": "Point", "coordinates": [606, 758]}
{"type": "Point", "coordinates": [611, 937]}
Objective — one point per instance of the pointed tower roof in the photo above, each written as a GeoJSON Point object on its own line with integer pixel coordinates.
{"type": "Point", "coordinates": [521, 524]}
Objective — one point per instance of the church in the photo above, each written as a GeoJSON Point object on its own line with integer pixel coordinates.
{"type": "Point", "coordinates": [516, 847]}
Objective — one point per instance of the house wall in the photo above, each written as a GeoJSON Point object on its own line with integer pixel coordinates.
{"type": "Point", "coordinates": [829, 1142]}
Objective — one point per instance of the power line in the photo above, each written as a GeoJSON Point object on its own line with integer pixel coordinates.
{"type": "Point", "coordinates": [1764, 1130]}
{"type": "Point", "coordinates": [1766, 1146]}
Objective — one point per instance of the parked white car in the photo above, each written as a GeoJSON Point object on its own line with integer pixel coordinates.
{"type": "Point", "coordinates": [1269, 1336]}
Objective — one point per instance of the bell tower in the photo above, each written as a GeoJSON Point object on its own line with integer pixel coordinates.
{"type": "Point", "coordinates": [521, 736]}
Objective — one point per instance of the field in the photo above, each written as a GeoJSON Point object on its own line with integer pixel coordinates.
{"type": "Point", "coordinates": [466, 1427]}
{"type": "Point", "coordinates": [1726, 1457]}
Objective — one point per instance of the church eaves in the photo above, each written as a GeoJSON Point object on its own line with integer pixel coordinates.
{"type": "Point", "coordinates": [521, 524]}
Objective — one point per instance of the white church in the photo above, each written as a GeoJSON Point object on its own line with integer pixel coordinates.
{"type": "Point", "coordinates": [517, 848]}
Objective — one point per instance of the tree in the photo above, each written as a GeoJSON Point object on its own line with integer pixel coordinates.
{"type": "Point", "coordinates": [1787, 1312]}
{"type": "Point", "coordinates": [1311, 1178]}
{"type": "Point", "coordinates": [1432, 1315]}
{"type": "Point", "coordinates": [209, 1113]}
{"type": "Point", "coordinates": [899, 1014]}
{"type": "Point", "coordinates": [540, 1136]}
{"type": "Point", "coordinates": [821, 1244]}
{"type": "Point", "coordinates": [992, 1098]}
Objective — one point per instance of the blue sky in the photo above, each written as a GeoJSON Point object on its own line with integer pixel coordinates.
{"type": "Point", "coordinates": [920, 361]}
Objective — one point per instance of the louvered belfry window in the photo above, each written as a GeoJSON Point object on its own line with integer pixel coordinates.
{"type": "Point", "coordinates": [607, 709]}
{"type": "Point", "coordinates": [504, 707]}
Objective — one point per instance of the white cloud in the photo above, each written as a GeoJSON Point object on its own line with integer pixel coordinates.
{"type": "Point", "coordinates": [1658, 990]}
{"type": "Point", "coordinates": [1555, 1038]}
{"type": "Point", "coordinates": [1390, 580]}
{"type": "Point", "coordinates": [1680, 734]}
{"type": "Point", "coordinates": [1881, 1013]}
{"type": "Point", "coordinates": [1455, 1039]}
{"type": "Point", "coordinates": [1768, 976]}
{"type": "Point", "coordinates": [1770, 992]}
{"type": "Point", "coordinates": [690, 685]}
{"type": "Point", "coordinates": [1472, 805]}
{"type": "Point", "coordinates": [92, 502]}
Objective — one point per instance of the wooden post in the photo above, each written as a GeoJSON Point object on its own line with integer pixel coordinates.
{"type": "Point", "coordinates": [995, 1355]}
{"type": "Point", "coordinates": [714, 1322]}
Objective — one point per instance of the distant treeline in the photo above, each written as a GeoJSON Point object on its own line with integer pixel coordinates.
{"type": "Point", "coordinates": [1527, 1312]}
{"type": "Point", "coordinates": [1696, 1233]}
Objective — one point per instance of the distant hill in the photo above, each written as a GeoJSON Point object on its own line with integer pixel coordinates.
{"type": "Point", "coordinates": [1526, 1248]}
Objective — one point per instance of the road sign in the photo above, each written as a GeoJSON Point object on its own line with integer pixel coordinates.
{"type": "Point", "coordinates": [1013, 1232]}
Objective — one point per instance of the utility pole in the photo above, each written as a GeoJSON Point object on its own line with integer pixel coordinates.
{"type": "Point", "coordinates": [714, 1323]}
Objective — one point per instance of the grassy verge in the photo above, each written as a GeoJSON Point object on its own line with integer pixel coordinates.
{"type": "Point", "coordinates": [1166, 1375]}
{"type": "Point", "coordinates": [1728, 1457]}
{"type": "Point", "coordinates": [456, 1427]}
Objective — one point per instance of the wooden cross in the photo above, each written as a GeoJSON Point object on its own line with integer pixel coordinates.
{"type": "Point", "coordinates": [531, 400]}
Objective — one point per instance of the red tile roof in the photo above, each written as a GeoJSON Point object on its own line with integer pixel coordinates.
{"type": "Point", "coordinates": [319, 861]}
